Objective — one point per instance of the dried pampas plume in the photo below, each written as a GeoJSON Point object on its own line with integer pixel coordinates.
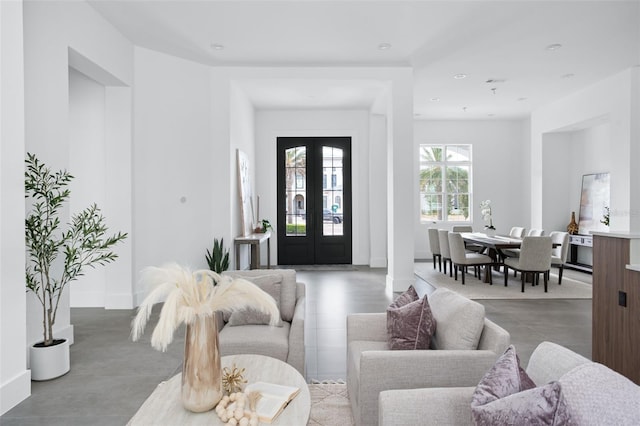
{"type": "Point", "coordinates": [188, 294]}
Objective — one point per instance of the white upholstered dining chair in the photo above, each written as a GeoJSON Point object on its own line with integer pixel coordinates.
{"type": "Point", "coordinates": [559, 253]}
{"type": "Point", "coordinates": [434, 245]}
{"type": "Point", "coordinates": [535, 258]}
{"type": "Point", "coordinates": [461, 259]}
{"type": "Point", "coordinates": [443, 237]}
{"type": "Point", "coordinates": [516, 232]}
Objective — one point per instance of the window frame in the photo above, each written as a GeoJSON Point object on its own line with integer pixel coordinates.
{"type": "Point", "coordinates": [445, 164]}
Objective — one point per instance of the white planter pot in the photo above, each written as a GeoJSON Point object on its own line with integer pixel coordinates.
{"type": "Point", "coordinates": [49, 362]}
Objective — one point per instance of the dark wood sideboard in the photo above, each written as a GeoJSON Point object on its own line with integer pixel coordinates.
{"type": "Point", "coordinates": [616, 303]}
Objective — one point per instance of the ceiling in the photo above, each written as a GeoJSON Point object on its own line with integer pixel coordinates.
{"type": "Point", "coordinates": [505, 41]}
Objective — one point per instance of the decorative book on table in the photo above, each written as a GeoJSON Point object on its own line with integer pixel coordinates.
{"type": "Point", "coordinates": [274, 398]}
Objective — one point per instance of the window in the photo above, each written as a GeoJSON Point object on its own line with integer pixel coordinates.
{"type": "Point", "coordinates": [445, 183]}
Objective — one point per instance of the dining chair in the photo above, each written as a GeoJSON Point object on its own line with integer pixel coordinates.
{"type": "Point", "coordinates": [443, 237]}
{"type": "Point", "coordinates": [535, 258]}
{"type": "Point", "coordinates": [462, 259]}
{"type": "Point", "coordinates": [516, 232]}
{"type": "Point", "coordinates": [471, 247]}
{"type": "Point", "coordinates": [516, 252]}
{"type": "Point", "coordinates": [434, 245]}
{"type": "Point", "coordinates": [559, 253]}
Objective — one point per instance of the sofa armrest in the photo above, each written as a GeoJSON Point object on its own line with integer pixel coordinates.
{"type": "Point", "coordinates": [429, 406]}
{"type": "Point", "coordinates": [386, 370]}
{"type": "Point", "coordinates": [296, 354]}
{"type": "Point", "coordinates": [219, 320]}
{"type": "Point", "coordinates": [371, 326]}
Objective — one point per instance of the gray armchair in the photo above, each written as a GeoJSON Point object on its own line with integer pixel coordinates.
{"type": "Point", "coordinates": [372, 367]}
{"type": "Point", "coordinates": [285, 343]}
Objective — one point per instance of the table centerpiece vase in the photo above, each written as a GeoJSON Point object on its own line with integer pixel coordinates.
{"type": "Point", "coordinates": [201, 369]}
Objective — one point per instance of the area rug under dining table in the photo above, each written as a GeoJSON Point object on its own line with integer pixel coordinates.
{"type": "Point", "coordinates": [477, 289]}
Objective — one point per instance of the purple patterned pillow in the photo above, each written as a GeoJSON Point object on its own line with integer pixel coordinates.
{"type": "Point", "coordinates": [410, 323]}
{"type": "Point", "coordinates": [507, 395]}
{"type": "Point", "coordinates": [544, 405]}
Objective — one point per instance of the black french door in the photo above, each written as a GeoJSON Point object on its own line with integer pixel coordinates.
{"type": "Point", "coordinates": [314, 200]}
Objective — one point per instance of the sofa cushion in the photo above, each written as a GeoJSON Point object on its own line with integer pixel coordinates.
{"type": "Point", "coordinates": [597, 395]}
{"type": "Point", "coordinates": [256, 339]}
{"type": "Point", "coordinates": [505, 378]}
{"type": "Point", "coordinates": [410, 323]}
{"type": "Point", "coordinates": [459, 320]}
{"type": "Point", "coordinates": [279, 283]}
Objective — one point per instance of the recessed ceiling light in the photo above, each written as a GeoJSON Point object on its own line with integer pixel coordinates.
{"type": "Point", "coordinates": [522, 99]}
{"type": "Point", "coordinates": [554, 46]}
{"type": "Point", "coordinates": [217, 46]}
{"type": "Point", "coordinates": [435, 99]}
{"type": "Point", "coordinates": [460, 76]}
{"type": "Point", "coordinates": [490, 115]}
{"type": "Point", "coordinates": [416, 114]}
{"type": "Point", "coordinates": [568, 75]}
{"type": "Point", "coordinates": [384, 46]}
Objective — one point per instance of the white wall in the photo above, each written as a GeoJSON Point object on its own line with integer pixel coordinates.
{"type": "Point", "coordinates": [612, 100]}
{"type": "Point", "coordinates": [499, 167]}
{"type": "Point", "coordinates": [272, 124]}
{"type": "Point", "coordinates": [242, 137]}
{"type": "Point", "coordinates": [51, 31]}
{"type": "Point", "coordinates": [173, 162]}
{"type": "Point", "coordinates": [87, 161]}
{"type": "Point", "coordinates": [15, 379]}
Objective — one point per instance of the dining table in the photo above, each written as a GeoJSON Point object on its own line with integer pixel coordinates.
{"type": "Point", "coordinates": [493, 245]}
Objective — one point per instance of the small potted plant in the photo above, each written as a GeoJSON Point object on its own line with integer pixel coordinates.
{"type": "Point", "coordinates": [84, 243]}
{"type": "Point", "coordinates": [218, 257]}
{"type": "Point", "coordinates": [485, 211]}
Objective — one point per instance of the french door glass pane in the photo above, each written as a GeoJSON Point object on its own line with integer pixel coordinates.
{"type": "Point", "coordinates": [332, 174]}
{"type": "Point", "coordinates": [296, 189]}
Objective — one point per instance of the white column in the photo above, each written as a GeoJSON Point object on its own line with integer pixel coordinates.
{"type": "Point", "coordinates": [401, 184]}
{"type": "Point", "coordinates": [15, 379]}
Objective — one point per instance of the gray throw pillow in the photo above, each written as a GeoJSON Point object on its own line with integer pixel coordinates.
{"type": "Point", "coordinates": [506, 395]}
{"type": "Point", "coordinates": [460, 320]}
{"type": "Point", "coordinates": [270, 284]}
{"type": "Point", "coordinates": [410, 323]}
{"type": "Point", "coordinates": [251, 316]}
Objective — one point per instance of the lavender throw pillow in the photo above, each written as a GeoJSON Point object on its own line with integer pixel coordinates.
{"type": "Point", "coordinates": [507, 395]}
{"type": "Point", "coordinates": [410, 323]}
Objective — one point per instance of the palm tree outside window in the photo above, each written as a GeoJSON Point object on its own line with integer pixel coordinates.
{"type": "Point", "coordinates": [445, 183]}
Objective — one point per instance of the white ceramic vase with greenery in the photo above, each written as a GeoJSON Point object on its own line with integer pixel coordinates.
{"type": "Point", "coordinates": [83, 244]}
{"type": "Point", "coordinates": [193, 298]}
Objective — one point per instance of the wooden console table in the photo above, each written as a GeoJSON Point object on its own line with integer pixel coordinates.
{"type": "Point", "coordinates": [254, 241]}
{"type": "Point", "coordinates": [616, 302]}
{"type": "Point", "coordinates": [575, 242]}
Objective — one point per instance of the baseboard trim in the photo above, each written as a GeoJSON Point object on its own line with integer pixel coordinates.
{"type": "Point", "coordinates": [15, 391]}
{"type": "Point", "coordinates": [378, 262]}
{"type": "Point", "coordinates": [119, 301]}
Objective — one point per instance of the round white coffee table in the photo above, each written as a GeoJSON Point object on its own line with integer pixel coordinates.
{"type": "Point", "coordinates": [164, 405]}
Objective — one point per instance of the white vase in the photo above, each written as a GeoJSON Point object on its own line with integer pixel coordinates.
{"type": "Point", "coordinates": [49, 362]}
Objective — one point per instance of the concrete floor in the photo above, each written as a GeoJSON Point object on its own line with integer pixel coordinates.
{"type": "Point", "coordinates": [111, 376]}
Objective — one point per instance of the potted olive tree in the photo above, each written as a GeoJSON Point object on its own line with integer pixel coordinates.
{"type": "Point", "coordinates": [83, 243]}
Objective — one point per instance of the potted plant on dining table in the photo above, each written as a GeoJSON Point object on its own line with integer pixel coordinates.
{"type": "Point", "coordinates": [485, 210]}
